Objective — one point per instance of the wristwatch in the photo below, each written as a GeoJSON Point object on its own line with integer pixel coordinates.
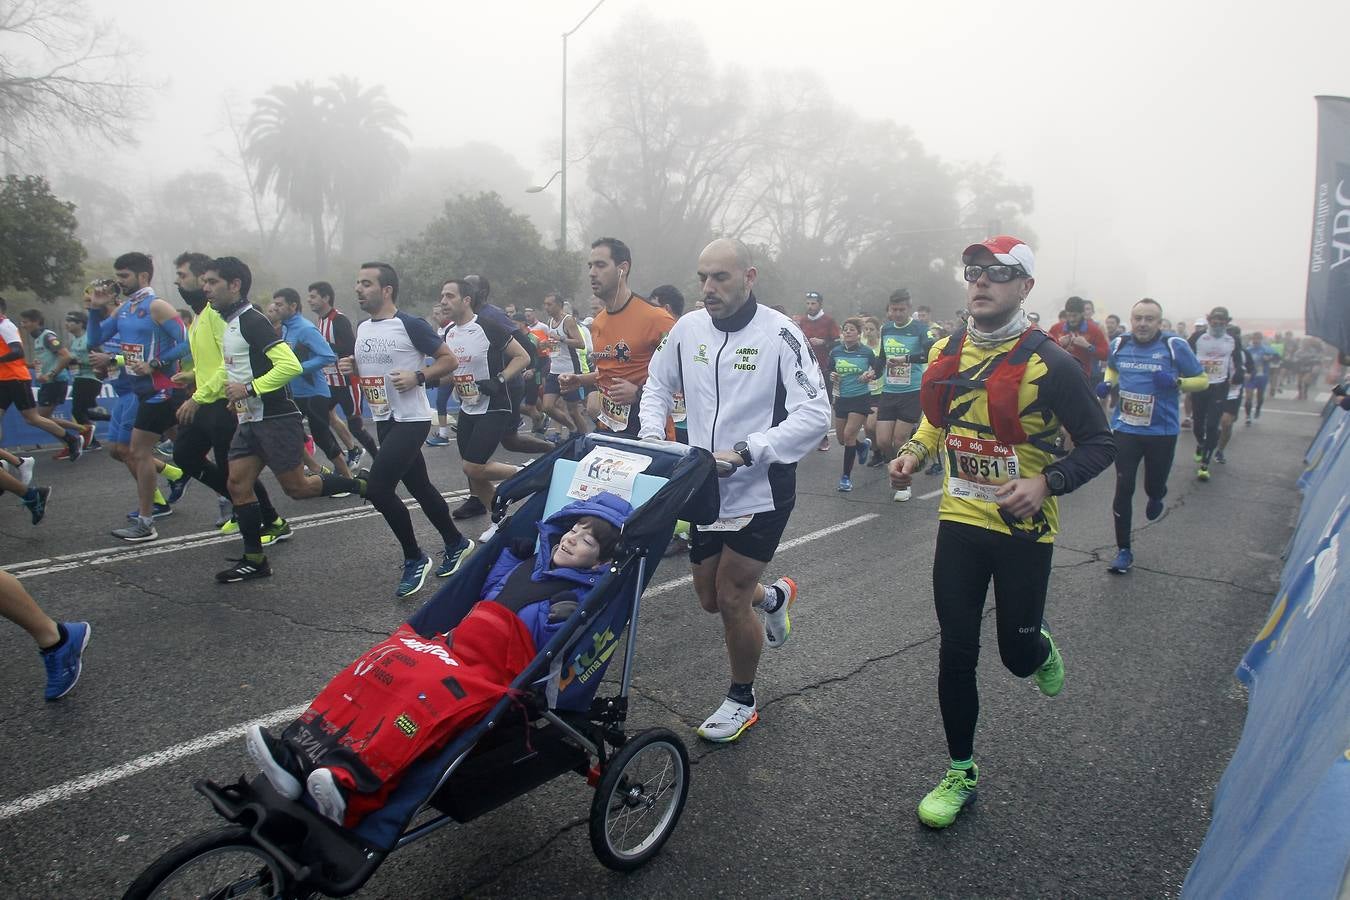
{"type": "Point", "coordinates": [250, 390]}
{"type": "Point", "coordinates": [1055, 480]}
{"type": "Point", "coordinates": [743, 450]}
{"type": "Point", "coordinates": [421, 377]}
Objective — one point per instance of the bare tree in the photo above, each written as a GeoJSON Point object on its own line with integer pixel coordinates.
{"type": "Point", "coordinates": [60, 69]}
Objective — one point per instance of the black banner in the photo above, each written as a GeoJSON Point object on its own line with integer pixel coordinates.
{"type": "Point", "coordinates": [1328, 308]}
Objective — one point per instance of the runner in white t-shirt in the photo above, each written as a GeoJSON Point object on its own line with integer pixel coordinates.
{"type": "Point", "coordinates": [391, 348]}
{"type": "Point", "coordinates": [487, 358]}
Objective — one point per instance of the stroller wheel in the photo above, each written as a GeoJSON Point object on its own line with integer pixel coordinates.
{"type": "Point", "coordinates": [220, 863]}
{"type": "Point", "coordinates": [639, 799]}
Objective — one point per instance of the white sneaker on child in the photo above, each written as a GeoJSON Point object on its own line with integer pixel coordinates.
{"type": "Point", "coordinates": [327, 795]}
{"type": "Point", "coordinates": [270, 756]}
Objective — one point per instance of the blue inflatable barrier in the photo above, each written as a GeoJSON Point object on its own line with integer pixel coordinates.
{"type": "Point", "coordinates": [15, 432]}
{"type": "Point", "coordinates": [1281, 824]}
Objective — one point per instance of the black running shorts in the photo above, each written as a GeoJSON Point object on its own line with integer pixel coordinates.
{"type": "Point", "coordinates": [758, 540]}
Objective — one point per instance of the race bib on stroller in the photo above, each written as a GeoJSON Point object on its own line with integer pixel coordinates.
{"type": "Point", "coordinates": [979, 467]}
{"type": "Point", "coordinates": [898, 372]}
{"type": "Point", "coordinates": [376, 394]}
{"type": "Point", "coordinates": [614, 415]}
{"type": "Point", "coordinates": [1136, 409]}
{"type": "Point", "coordinates": [606, 470]}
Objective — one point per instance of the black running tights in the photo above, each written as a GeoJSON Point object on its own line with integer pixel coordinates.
{"type": "Point", "coordinates": [967, 559]}
{"type": "Point", "coordinates": [401, 459]}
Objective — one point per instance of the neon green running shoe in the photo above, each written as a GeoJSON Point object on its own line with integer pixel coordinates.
{"type": "Point", "coordinates": [231, 526]}
{"type": "Point", "coordinates": [278, 531]}
{"type": "Point", "coordinates": [939, 807]}
{"type": "Point", "coordinates": [1050, 676]}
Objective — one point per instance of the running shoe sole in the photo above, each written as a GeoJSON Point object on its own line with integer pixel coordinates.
{"type": "Point", "coordinates": [286, 784]}
{"type": "Point", "coordinates": [754, 717]}
{"type": "Point", "coordinates": [327, 795]}
{"type": "Point", "coordinates": [786, 610]}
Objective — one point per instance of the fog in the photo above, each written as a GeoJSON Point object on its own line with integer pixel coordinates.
{"type": "Point", "coordinates": [1169, 146]}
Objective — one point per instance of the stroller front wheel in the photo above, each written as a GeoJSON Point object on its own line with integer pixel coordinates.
{"type": "Point", "coordinates": [224, 862]}
{"type": "Point", "coordinates": [639, 799]}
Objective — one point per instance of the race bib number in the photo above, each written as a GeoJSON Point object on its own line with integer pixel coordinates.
{"type": "Point", "coordinates": [250, 409]}
{"type": "Point", "coordinates": [1214, 367]}
{"type": "Point", "coordinates": [466, 387]}
{"type": "Point", "coordinates": [979, 467]}
{"type": "Point", "coordinates": [376, 394]}
{"type": "Point", "coordinates": [614, 415]}
{"type": "Point", "coordinates": [1136, 409]}
{"type": "Point", "coordinates": [550, 347]}
{"type": "Point", "coordinates": [678, 412]}
{"type": "Point", "coordinates": [898, 372]}
{"type": "Point", "coordinates": [133, 353]}
{"type": "Point", "coordinates": [731, 524]}
{"type": "Point", "coordinates": [606, 470]}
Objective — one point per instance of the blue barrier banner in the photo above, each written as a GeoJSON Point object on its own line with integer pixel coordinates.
{"type": "Point", "coordinates": [1281, 823]}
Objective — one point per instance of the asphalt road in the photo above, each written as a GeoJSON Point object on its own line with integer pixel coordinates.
{"type": "Point", "coordinates": [1103, 791]}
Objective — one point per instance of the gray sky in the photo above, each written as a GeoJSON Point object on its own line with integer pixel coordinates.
{"type": "Point", "coordinates": [1170, 144]}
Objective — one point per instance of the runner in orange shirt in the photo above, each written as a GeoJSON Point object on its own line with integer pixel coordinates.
{"type": "Point", "coordinates": [625, 335]}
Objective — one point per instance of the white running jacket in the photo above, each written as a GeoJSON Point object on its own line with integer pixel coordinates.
{"type": "Point", "coordinates": [749, 378]}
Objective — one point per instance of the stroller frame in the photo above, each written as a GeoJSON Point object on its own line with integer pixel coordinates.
{"type": "Point", "coordinates": [499, 758]}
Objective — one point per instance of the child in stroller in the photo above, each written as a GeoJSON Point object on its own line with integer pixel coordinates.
{"type": "Point", "coordinates": [394, 704]}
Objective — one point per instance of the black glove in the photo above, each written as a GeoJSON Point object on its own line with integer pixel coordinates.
{"type": "Point", "coordinates": [491, 388]}
{"type": "Point", "coordinates": [522, 548]}
{"type": "Point", "coordinates": [561, 607]}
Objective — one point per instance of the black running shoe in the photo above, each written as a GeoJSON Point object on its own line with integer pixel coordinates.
{"type": "Point", "coordinates": [245, 570]}
{"type": "Point", "coordinates": [275, 760]}
{"type": "Point", "coordinates": [469, 508]}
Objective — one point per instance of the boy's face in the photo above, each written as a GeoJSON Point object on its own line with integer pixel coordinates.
{"type": "Point", "coordinates": [578, 549]}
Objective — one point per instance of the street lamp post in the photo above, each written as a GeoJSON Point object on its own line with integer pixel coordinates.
{"type": "Point", "coordinates": [562, 183]}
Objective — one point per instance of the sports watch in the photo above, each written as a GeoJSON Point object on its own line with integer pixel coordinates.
{"type": "Point", "coordinates": [1055, 480]}
{"type": "Point", "coordinates": [743, 450]}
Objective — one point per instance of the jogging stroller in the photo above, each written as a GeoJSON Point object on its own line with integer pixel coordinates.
{"type": "Point", "coordinates": [275, 847]}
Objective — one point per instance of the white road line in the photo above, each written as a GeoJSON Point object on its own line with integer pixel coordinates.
{"type": "Point", "coordinates": [141, 763]}
{"type": "Point", "coordinates": [1291, 412]}
{"type": "Point", "coordinates": [172, 754]}
{"type": "Point", "coordinates": [35, 567]}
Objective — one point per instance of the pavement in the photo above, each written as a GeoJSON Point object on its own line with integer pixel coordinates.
{"type": "Point", "coordinates": [1102, 791]}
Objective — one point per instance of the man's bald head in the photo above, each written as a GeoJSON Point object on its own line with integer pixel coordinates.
{"type": "Point", "coordinates": [726, 276]}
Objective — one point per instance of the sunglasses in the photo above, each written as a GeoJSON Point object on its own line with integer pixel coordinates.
{"type": "Point", "coordinates": [998, 273]}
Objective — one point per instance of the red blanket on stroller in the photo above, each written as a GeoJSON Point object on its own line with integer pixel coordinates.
{"type": "Point", "coordinates": [406, 696]}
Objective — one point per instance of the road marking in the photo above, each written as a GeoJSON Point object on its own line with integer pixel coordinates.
{"type": "Point", "coordinates": [35, 567]}
{"type": "Point", "coordinates": [1291, 412]}
{"type": "Point", "coordinates": [172, 754]}
{"type": "Point", "coordinates": [142, 763]}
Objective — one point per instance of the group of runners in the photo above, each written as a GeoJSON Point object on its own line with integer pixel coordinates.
{"type": "Point", "coordinates": [1008, 414]}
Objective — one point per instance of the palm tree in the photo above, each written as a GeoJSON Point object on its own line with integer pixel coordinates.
{"type": "Point", "coordinates": [288, 140]}
{"type": "Point", "coordinates": [365, 128]}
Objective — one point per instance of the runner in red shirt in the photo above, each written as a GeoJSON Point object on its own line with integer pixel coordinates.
{"type": "Point", "coordinates": [822, 332]}
{"type": "Point", "coordinates": [1082, 337]}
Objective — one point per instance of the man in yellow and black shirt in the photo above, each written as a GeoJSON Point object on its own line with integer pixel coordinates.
{"type": "Point", "coordinates": [994, 397]}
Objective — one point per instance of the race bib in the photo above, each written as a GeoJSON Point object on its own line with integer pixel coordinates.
{"type": "Point", "coordinates": [376, 394]}
{"type": "Point", "coordinates": [133, 352]}
{"type": "Point", "coordinates": [731, 524]}
{"type": "Point", "coordinates": [614, 415]}
{"type": "Point", "coordinates": [898, 372]}
{"type": "Point", "coordinates": [1136, 409]}
{"type": "Point", "coordinates": [250, 409]}
{"type": "Point", "coordinates": [1234, 391]}
{"type": "Point", "coordinates": [606, 470]}
{"type": "Point", "coordinates": [466, 387]}
{"type": "Point", "coordinates": [550, 347]}
{"type": "Point", "coordinates": [677, 413]}
{"type": "Point", "coordinates": [1214, 367]}
{"type": "Point", "coordinates": [979, 467]}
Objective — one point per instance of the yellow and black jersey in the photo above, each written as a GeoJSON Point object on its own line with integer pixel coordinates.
{"type": "Point", "coordinates": [1052, 393]}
